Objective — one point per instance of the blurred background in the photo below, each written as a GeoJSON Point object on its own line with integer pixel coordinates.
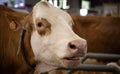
{"type": "Point", "coordinates": [81, 7]}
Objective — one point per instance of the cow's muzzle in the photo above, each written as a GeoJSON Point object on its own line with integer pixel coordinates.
{"type": "Point", "coordinates": [77, 49]}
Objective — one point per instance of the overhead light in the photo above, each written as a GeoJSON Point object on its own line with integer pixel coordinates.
{"type": "Point", "coordinates": [16, 6]}
{"type": "Point", "coordinates": [83, 12]}
{"type": "Point", "coordinates": [21, 4]}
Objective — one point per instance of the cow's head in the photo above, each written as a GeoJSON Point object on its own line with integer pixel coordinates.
{"type": "Point", "coordinates": [52, 39]}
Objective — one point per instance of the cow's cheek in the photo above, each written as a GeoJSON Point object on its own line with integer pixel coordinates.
{"type": "Point", "coordinates": [62, 50]}
{"type": "Point", "coordinates": [37, 45]}
{"type": "Point", "coordinates": [43, 49]}
{"type": "Point", "coordinates": [59, 43]}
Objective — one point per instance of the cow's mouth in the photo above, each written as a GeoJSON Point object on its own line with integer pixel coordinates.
{"type": "Point", "coordinates": [71, 61]}
{"type": "Point", "coordinates": [72, 58]}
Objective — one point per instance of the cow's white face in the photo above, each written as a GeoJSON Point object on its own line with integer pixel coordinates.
{"type": "Point", "coordinates": [53, 40]}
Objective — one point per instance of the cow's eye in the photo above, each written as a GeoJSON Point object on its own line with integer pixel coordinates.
{"type": "Point", "coordinates": [39, 24]}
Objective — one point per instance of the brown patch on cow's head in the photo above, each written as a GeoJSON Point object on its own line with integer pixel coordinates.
{"type": "Point", "coordinates": [43, 26]}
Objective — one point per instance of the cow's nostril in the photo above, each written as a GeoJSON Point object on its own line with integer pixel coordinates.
{"type": "Point", "coordinates": [77, 44]}
{"type": "Point", "coordinates": [72, 46]}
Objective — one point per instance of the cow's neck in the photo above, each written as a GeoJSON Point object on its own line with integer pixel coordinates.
{"type": "Point", "coordinates": [25, 48]}
{"type": "Point", "coordinates": [28, 54]}
{"type": "Point", "coordinates": [43, 68]}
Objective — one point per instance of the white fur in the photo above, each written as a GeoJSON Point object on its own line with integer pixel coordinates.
{"type": "Point", "coordinates": [113, 64]}
{"type": "Point", "coordinates": [51, 48]}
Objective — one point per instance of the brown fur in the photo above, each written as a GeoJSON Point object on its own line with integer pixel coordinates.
{"type": "Point", "coordinates": [102, 33]}
{"type": "Point", "coordinates": [4, 8]}
{"type": "Point", "coordinates": [11, 63]}
{"type": "Point", "coordinates": [15, 60]}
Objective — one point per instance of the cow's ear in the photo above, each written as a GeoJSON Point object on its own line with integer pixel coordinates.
{"type": "Point", "coordinates": [28, 22]}
{"type": "Point", "coordinates": [13, 25]}
{"type": "Point", "coordinates": [15, 22]}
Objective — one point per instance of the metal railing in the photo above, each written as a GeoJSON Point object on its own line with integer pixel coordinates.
{"type": "Point", "coordinates": [101, 56]}
{"type": "Point", "coordinates": [96, 68]}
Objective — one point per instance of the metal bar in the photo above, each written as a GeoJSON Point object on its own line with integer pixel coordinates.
{"type": "Point", "coordinates": [96, 68]}
{"type": "Point", "coordinates": [100, 68]}
{"type": "Point", "coordinates": [101, 56]}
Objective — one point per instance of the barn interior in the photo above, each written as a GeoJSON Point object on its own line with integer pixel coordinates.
{"type": "Point", "coordinates": [85, 8]}
{"type": "Point", "coordinates": [81, 7]}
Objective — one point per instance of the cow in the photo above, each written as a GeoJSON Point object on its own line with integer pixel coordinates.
{"type": "Point", "coordinates": [38, 42]}
{"type": "Point", "coordinates": [4, 8]}
{"type": "Point", "coordinates": [102, 34]}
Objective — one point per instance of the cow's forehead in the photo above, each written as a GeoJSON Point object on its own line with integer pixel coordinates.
{"type": "Point", "coordinates": [45, 10]}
